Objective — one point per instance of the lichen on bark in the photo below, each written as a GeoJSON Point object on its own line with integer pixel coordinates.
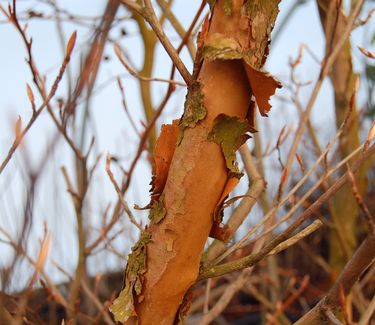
{"type": "Point", "coordinates": [261, 15]}
{"type": "Point", "coordinates": [219, 46]}
{"type": "Point", "coordinates": [230, 133]}
{"type": "Point", "coordinates": [194, 109]}
{"type": "Point", "coordinates": [228, 7]}
{"type": "Point", "coordinates": [157, 210]}
{"type": "Point", "coordinates": [123, 307]}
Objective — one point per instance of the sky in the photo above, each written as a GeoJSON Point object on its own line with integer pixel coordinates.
{"type": "Point", "coordinates": [110, 125]}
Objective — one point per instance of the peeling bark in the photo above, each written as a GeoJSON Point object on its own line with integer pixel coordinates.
{"type": "Point", "coordinates": [199, 171]}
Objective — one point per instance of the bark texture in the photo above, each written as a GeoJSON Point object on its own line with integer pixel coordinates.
{"type": "Point", "coordinates": [233, 48]}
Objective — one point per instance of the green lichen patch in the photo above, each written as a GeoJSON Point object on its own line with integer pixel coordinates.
{"type": "Point", "coordinates": [218, 46]}
{"type": "Point", "coordinates": [228, 7]}
{"type": "Point", "coordinates": [157, 211]}
{"type": "Point", "coordinates": [261, 16]}
{"type": "Point", "coordinates": [267, 8]}
{"type": "Point", "coordinates": [123, 306]}
{"type": "Point", "coordinates": [230, 133]}
{"type": "Point", "coordinates": [194, 109]}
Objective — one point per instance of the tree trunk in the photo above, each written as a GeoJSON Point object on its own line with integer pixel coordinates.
{"type": "Point", "coordinates": [164, 264]}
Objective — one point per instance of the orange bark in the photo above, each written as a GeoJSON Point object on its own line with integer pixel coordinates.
{"type": "Point", "coordinates": [198, 172]}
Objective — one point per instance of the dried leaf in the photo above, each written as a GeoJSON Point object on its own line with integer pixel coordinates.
{"type": "Point", "coordinates": [123, 306]}
{"type": "Point", "coordinates": [263, 86]}
{"type": "Point", "coordinates": [194, 110]}
{"type": "Point", "coordinates": [230, 133]}
{"type": "Point", "coordinates": [157, 210]}
{"type": "Point", "coordinates": [163, 153]}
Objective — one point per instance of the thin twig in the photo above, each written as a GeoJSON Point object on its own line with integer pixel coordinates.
{"type": "Point", "coordinates": [149, 15]}
{"type": "Point", "coordinates": [367, 214]}
{"type": "Point", "coordinates": [118, 191]}
{"type": "Point", "coordinates": [300, 235]}
{"type": "Point", "coordinates": [325, 68]}
{"type": "Point", "coordinates": [37, 112]}
{"type": "Point", "coordinates": [137, 75]}
{"type": "Point", "coordinates": [252, 259]}
{"type": "Point", "coordinates": [331, 316]}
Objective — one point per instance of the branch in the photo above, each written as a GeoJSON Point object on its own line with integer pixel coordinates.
{"type": "Point", "coordinates": [361, 259]}
{"type": "Point", "coordinates": [178, 27]}
{"type": "Point", "coordinates": [148, 13]}
{"type": "Point", "coordinates": [252, 259]}
{"type": "Point", "coordinates": [36, 112]}
{"type": "Point", "coordinates": [226, 297]}
{"type": "Point", "coordinates": [325, 69]}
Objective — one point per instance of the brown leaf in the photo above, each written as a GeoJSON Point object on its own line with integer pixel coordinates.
{"type": "Point", "coordinates": [263, 86]}
{"type": "Point", "coordinates": [163, 153]}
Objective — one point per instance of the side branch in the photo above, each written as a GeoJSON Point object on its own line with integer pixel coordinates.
{"type": "Point", "coordinates": [148, 13]}
{"type": "Point", "coordinates": [252, 259]}
{"type": "Point", "coordinates": [361, 259]}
